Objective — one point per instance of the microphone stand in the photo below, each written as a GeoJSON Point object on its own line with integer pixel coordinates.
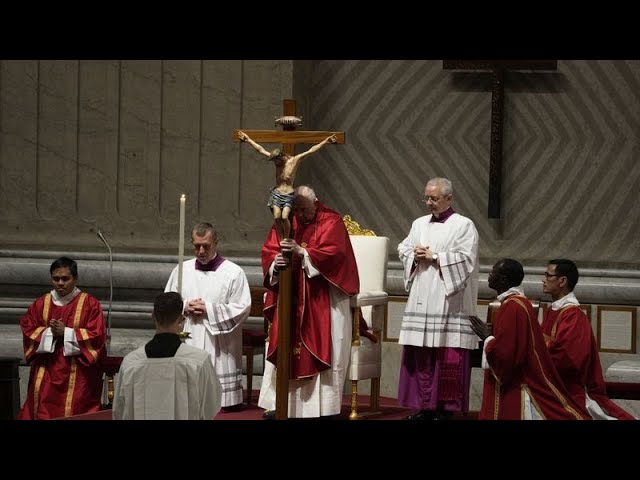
{"type": "Point", "coordinates": [104, 240]}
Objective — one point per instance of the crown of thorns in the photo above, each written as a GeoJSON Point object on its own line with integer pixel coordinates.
{"type": "Point", "coordinates": [288, 120]}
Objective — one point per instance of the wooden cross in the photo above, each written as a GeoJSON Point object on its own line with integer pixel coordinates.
{"type": "Point", "coordinates": [498, 69]}
{"type": "Point", "coordinates": [288, 137]}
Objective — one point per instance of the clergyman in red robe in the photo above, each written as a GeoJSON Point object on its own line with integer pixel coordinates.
{"type": "Point", "coordinates": [572, 344]}
{"type": "Point", "coordinates": [64, 342]}
{"type": "Point", "coordinates": [520, 381]}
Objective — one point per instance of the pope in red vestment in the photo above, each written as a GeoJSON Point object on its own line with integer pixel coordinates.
{"type": "Point", "coordinates": [326, 240]}
{"type": "Point", "coordinates": [66, 372]}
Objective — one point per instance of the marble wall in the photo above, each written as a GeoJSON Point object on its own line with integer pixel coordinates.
{"type": "Point", "coordinates": [111, 145]}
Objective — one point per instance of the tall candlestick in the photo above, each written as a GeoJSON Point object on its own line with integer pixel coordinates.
{"type": "Point", "coordinates": [183, 200]}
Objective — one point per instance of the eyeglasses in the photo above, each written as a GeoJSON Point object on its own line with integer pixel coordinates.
{"type": "Point", "coordinates": [547, 275]}
{"type": "Point", "coordinates": [426, 198]}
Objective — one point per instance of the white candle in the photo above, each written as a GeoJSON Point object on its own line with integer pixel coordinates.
{"type": "Point", "coordinates": [183, 200]}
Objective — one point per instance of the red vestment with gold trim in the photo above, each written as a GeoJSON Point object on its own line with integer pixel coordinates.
{"type": "Point", "coordinates": [59, 385]}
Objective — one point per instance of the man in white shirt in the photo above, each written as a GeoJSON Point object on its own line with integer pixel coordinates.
{"type": "Point", "coordinates": [167, 379]}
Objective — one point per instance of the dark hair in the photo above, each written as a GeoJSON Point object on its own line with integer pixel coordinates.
{"type": "Point", "coordinates": [65, 262]}
{"type": "Point", "coordinates": [567, 268]}
{"type": "Point", "coordinates": [512, 271]}
{"type": "Point", "coordinates": [167, 307]}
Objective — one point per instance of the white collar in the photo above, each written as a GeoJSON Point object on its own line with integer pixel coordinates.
{"type": "Point", "coordinates": [512, 291]}
{"type": "Point", "coordinates": [62, 301]}
{"type": "Point", "coordinates": [569, 299]}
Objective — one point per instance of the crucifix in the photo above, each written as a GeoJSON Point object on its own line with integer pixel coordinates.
{"type": "Point", "coordinates": [286, 166]}
{"type": "Point", "coordinates": [498, 68]}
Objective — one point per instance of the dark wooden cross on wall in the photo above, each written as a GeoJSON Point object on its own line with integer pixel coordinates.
{"type": "Point", "coordinates": [288, 137]}
{"type": "Point", "coordinates": [498, 68]}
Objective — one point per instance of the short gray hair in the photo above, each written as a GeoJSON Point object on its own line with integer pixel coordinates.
{"type": "Point", "coordinates": [443, 183]}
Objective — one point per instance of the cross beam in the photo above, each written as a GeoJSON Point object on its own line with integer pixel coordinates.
{"type": "Point", "coordinates": [289, 136]}
{"type": "Point", "coordinates": [498, 68]}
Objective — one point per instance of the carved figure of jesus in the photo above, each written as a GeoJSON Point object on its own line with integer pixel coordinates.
{"type": "Point", "coordinates": [281, 197]}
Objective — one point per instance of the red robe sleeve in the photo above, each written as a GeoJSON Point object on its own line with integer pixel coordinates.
{"type": "Point", "coordinates": [33, 326]}
{"type": "Point", "coordinates": [508, 351]}
{"type": "Point", "coordinates": [332, 254]}
{"type": "Point", "coordinates": [571, 348]}
{"type": "Point", "coordinates": [90, 332]}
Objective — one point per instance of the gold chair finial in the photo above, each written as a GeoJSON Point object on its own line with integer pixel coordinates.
{"type": "Point", "coordinates": [354, 227]}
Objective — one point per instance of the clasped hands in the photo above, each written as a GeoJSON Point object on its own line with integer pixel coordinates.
{"type": "Point", "coordinates": [196, 307]}
{"type": "Point", "coordinates": [421, 254]}
{"type": "Point", "coordinates": [481, 329]}
{"type": "Point", "coordinates": [57, 327]}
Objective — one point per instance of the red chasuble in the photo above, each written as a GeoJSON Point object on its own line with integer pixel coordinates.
{"type": "Point", "coordinates": [520, 363]}
{"type": "Point", "coordinates": [62, 386]}
{"type": "Point", "coordinates": [327, 241]}
{"type": "Point", "coordinates": [569, 337]}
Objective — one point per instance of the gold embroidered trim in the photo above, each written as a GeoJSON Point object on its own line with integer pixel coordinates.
{"type": "Point", "coordinates": [74, 366]}
{"type": "Point", "coordinates": [41, 369]}
{"type": "Point", "coordinates": [560, 397]}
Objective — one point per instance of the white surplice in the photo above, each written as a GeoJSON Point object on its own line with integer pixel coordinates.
{"type": "Point", "coordinates": [442, 296]}
{"type": "Point", "coordinates": [182, 387]}
{"type": "Point", "coordinates": [228, 302]}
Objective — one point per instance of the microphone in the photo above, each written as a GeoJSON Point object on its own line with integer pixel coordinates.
{"type": "Point", "coordinates": [104, 240]}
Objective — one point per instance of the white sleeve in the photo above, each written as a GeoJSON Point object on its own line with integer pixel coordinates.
{"type": "Point", "coordinates": [172, 283]}
{"type": "Point", "coordinates": [225, 317]}
{"type": "Point", "coordinates": [485, 364]}
{"type": "Point", "coordinates": [273, 279]}
{"type": "Point", "coordinates": [308, 266]}
{"type": "Point", "coordinates": [406, 255]}
{"type": "Point", "coordinates": [458, 263]}
{"type": "Point", "coordinates": [211, 391]}
{"type": "Point", "coordinates": [71, 347]}
{"type": "Point", "coordinates": [47, 342]}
